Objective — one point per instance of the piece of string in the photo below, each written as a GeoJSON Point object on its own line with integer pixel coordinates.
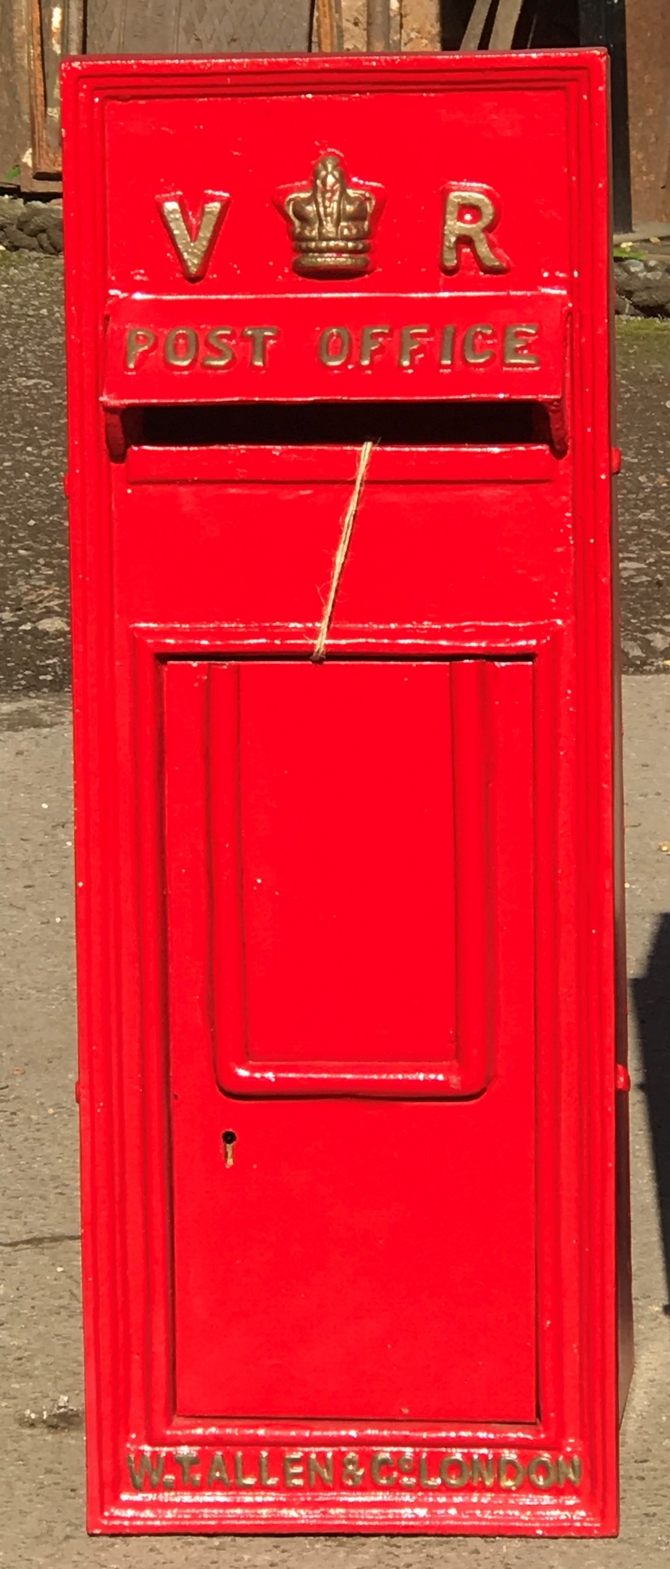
{"type": "Point", "coordinates": [342, 551]}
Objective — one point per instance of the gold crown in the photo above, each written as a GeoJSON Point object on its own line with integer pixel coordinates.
{"type": "Point", "coordinates": [331, 222]}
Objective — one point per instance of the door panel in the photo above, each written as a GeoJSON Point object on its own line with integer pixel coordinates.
{"type": "Point", "coordinates": [368, 1254]}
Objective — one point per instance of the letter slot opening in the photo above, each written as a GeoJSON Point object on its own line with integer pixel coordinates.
{"type": "Point", "coordinates": [418, 423]}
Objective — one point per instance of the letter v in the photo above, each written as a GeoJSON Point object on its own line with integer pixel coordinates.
{"type": "Point", "coordinates": [193, 240]}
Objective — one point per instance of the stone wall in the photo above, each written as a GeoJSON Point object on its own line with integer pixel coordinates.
{"type": "Point", "coordinates": [31, 226]}
{"type": "Point", "coordinates": [642, 280]}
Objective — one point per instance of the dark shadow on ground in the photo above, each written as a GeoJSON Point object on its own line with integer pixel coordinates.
{"type": "Point", "coordinates": [651, 996]}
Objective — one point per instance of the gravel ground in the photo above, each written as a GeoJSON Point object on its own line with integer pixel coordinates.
{"type": "Point", "coordinates": [643, 363]}
{"type": "Point", "coordinates": [34, 654]}
{"type": "Point", "coordinates": [34, 651]}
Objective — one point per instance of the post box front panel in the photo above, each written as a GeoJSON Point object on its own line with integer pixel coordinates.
{"type": "Point", "coordinates": [346, 948]}
{"type": "Point", "coordinates": [318, 1266]}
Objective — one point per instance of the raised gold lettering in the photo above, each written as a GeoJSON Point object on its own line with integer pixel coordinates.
{"type": "Point", "coordinates": [382, 1462]}
{"type": "Point", "coordinates": [260, 337]}
{"type": "Point", "coordinates": [147, 1469]}
{"type": "Point", "coordinates": [569, 1469]}
{"type": "Point", "coordinates": [372, 340]}
{"type": "Point", "coordinates": [193, 249]}
{"type": "Point", "coordinates": [294, 1475]}
{"type": "Point", "coordinates": [424, 1479]}
{"type": "Point", "coordinates": [353, 1474]}
{"type": "Point", "coordinates": [510, 1472]}
{"type": "Point", "coordinates": [483, 1469]}
{"type": "Point", "coordinates": [406, 1466]}
{"type": "Point", "coordinates": [181, 347]}
{"type": "Point", "coordinates": [263, 1473]}
{"type": "Point", "coordinates": [471, 353]}
{"type": "Point", "coordinates": [517, 342]}
{"type": "Point", "coordinates": [218, 1472]}
{"type": "Point", "coordinates": [328, 356]}
{"type": "Point", "coordinates": [324, 1470]}
{"type": "Point", "coordinates": [186, 1459]}
{"type": "Point", "coordinates": [461, 227]}
{"type": "Point", "coordinates": [447, 346]}
{"type": "Point", "coordinates": [138, 341]}
{"type": "Point", "coordinates": [223, 352]}
{"type": "Point", "coordinates": [403, 1468]}
{"type": "Point", "coordinates": [240, 1479]}
{"type": "Point", "coordinates": [462, 1474]}
{"type": "Point", "coordinates": [411, 343]}
{"type": "Point", "coordinates": [542, 1471]}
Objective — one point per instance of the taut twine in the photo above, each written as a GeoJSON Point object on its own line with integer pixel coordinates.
{"type": "Point", "coordinates": [342, 551]}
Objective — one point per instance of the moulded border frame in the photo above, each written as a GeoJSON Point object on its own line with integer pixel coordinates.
{"type": "Point", "coordinates": [125, 1287]}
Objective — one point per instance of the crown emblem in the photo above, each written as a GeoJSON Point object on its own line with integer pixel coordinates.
{"type": "Point", "coordinates": [332, 222]}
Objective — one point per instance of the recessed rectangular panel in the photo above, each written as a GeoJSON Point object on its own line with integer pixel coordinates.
{"type": "Point", "coordinates": [332, 865]}
{"type": "Point", "coordinates": [337, 1254]}
{"type": "Point", "coordinates": [353, 875]}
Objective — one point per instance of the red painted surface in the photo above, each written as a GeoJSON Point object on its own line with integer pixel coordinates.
{"type": "Point", "coordinates": [347, 781]}
{"type": "Point", "coordinates": [346, 930]}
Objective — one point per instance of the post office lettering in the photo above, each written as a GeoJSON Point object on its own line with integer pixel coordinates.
{"type": "Point", "coordinates": [219, 342]}
{"type": "Point", "coordinates": [260, 338]}
{"type": "Point", "coordinates": [372, 348]}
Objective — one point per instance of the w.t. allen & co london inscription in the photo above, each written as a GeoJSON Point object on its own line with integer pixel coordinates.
{"type": "Point", "coordinates": [191, 1469]}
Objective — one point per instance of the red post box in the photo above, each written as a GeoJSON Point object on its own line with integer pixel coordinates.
{"type": "Point", "coordinates": [347, 793]}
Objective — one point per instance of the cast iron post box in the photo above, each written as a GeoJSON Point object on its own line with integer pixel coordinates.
{"type": "Point", "coordinates": [347, 793]}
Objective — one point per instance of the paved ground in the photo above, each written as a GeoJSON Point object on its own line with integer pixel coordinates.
{"type": "Point", "coordinates": [643, 356]}
{"type": "Point", "coordinates": [41, 1489]}
{"type": "Point", "coordinates": [34, 655]}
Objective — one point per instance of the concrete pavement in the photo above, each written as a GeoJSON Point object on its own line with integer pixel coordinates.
{"type": "Point", "coordinates": [41, 1391]}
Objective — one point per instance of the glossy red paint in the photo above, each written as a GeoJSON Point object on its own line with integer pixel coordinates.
{"type": "Point", "coordinates": [347, 953]}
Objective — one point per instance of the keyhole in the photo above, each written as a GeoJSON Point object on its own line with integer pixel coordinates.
{"type": "Point", "coordinates": [229, 1139]}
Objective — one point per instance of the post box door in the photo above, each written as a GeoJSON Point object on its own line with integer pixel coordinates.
{"type": "Point", "coordinates": [349, 852]}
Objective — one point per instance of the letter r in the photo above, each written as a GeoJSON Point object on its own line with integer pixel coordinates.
{"type": "Point", "coordinates": [461, 229]}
